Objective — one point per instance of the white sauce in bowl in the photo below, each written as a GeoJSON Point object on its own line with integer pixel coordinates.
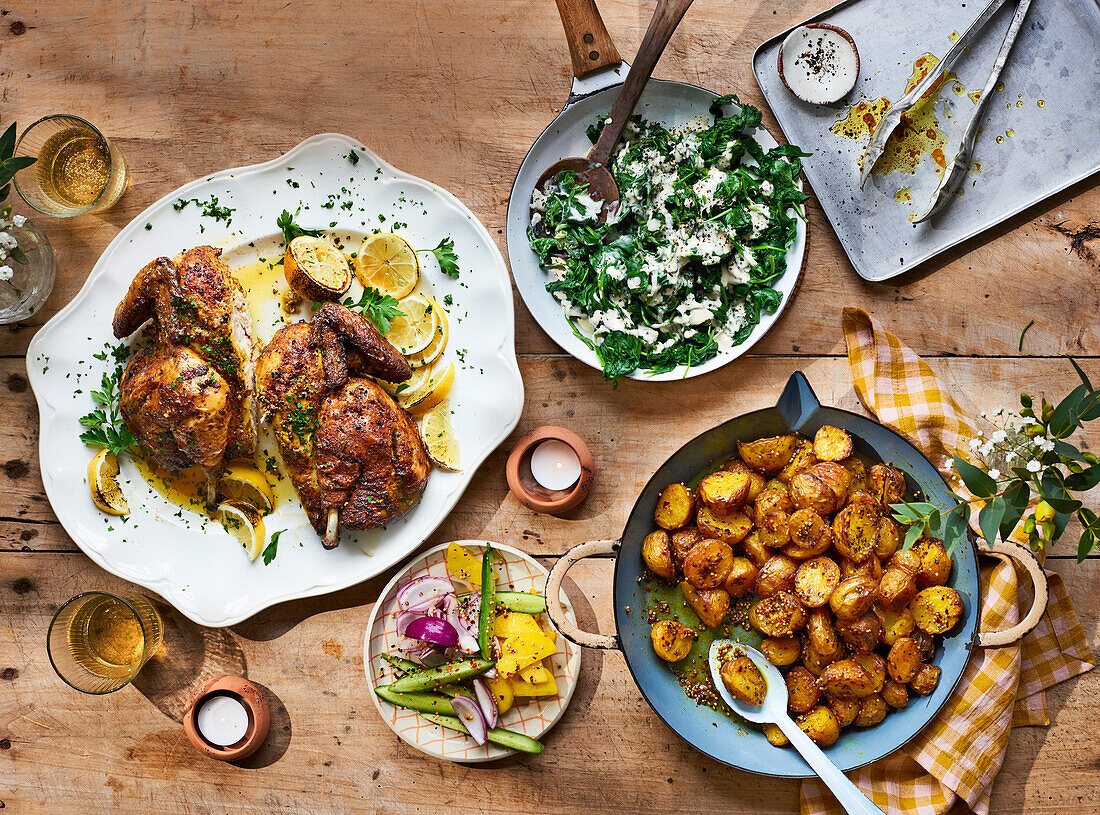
{"type": "Point", "coordinates": [819, 64]}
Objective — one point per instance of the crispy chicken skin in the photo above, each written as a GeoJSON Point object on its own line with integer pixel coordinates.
{"type": "Point", "coordinates": [196, 304]}
{"type": "Point", "coordinates": [350, 451]}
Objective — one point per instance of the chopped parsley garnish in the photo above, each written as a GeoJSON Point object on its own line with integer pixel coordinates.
{"type": "Point", "coordinates": [445, 254]}
{"type": "Point", "coordinates": [292, 230]}
{"type": "Point", "coordinates": [210, 209]}
{"type": "Point", "coordinates": [686, 267]}
{"type": "Point", "coordinates": [352, 156]}
{"type": "Point", "coordinates": [272, 548]}
{"type": "Point", "coordinates": [377, 307]}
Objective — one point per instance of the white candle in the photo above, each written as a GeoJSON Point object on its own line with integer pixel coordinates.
{"type": "Point", "coordinates": [554, 465]}
{"type": "Point", "coordinates": [222, 720]}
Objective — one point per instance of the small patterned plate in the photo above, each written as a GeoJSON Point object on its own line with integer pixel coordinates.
{"type": "Point", "coordinates": [534, 717]}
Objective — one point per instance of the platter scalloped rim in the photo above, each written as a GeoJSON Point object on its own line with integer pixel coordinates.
{"type": "Point", "coordinates": [204, 574]}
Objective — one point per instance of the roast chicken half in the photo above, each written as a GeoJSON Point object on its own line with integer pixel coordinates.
{"type": "Point", "coordinates": [186, 395]}
{"type": "Point", "coordinates": [355, 458]}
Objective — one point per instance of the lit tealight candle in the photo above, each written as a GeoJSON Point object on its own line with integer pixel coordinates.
{"type": "Point", "coordinates": [222, 720]}
{"type": "Point", "coordinates": [555, 465]}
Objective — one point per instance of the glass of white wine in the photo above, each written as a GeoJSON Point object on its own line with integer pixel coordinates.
{"type": "Point", "coordinates": [99, 641]}
{"type": "Point", "coordinates": [77, 169]}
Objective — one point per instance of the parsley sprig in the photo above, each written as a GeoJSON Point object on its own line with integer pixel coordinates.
{"type": "Point", "coordinates": [272, 548]}
{"type": "Point", "coordinates": [445, 254]}
{"type": "Point", "coordinates": [105, 425]}
{"type": "Point", "coordinates": [292, 230]}
{"type": "Point", "coordinates": [377, 307]}
{"type": "Point", "coordinates": [210, 209]}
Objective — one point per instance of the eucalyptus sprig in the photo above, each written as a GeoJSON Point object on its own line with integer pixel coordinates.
{"type": "Point", "coordinates": [10, 164]}
{"type": "Point", "coordinates": [1027, 457]}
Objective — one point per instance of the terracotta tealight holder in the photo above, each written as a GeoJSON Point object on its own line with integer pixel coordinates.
{"type": "Point", "coordinates": [259, 717]}
{"type": "Point", "coordinates": [529, 491]}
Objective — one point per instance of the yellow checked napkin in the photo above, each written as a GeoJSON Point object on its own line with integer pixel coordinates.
{"type": "Point", "coordinates": [960, 753]}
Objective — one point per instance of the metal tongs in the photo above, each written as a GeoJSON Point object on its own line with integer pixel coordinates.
{"type": "Point", "coordinates": [953, 173]}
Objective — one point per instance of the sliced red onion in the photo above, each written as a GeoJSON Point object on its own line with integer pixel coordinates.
{"type": "Point", "coordinates": [435, 658]}
{"type": "Point", "coordinates": [467, 637]}
{"type": "Point", "coordinates": [486, 701]}
{"type": "Point", "coordinates": [471, 717]}
{"type": "Point", "coordinates": [434, 630]}
{"type": "Point", "coordinates": [403, 620]}
{"type": "Point", "coordinates": [423, 593]}
{"type": "Point", "coordinates": [416, 650]}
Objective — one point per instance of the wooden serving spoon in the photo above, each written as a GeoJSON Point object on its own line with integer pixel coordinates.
{"type": "Point", "coordinates": [593, 168]}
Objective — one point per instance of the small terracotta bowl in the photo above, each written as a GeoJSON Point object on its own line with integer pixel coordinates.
{"type": "Point", "coordinates": [530, 492]}
{"type": "Point", "coordinates": [259, 717]}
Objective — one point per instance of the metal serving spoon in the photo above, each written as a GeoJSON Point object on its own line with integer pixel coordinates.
{"type": "Point", "coordinates": [774, 710]}
{"type": "Point", "coordinates": [593, 168]}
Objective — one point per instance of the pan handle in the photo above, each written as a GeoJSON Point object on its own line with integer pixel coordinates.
{"type": "Point", "coordinates": [1024, 557]}
{"type": "Point", "coordinates": [553, 596]}
{"type": "Point", "coordinates": [590, 46]}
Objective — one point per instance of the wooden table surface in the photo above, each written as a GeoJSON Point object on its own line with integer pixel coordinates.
{"type": "Point", "coordinates": [455, 91]}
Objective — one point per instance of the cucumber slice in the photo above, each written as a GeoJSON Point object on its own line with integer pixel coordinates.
{"type": "Point", "coordinates": [420, 702]}
{"type": "Point", "coordinates": [498, 735]}
{"type": "Point", "coordinates": [443, 675]}
{"type": "Point", "coordinates": [404, 665]}
{"type": "Point", "coordinates": [521, 602]}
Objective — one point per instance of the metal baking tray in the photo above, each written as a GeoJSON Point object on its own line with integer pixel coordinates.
{"type": "Point", "coordinates": [1041, 136]}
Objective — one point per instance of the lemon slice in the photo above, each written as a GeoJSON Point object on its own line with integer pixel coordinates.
{"type": "Point", "coordinates": [244, 484]}
{"type": "Point", "coordinates": [316, 268]}
{"type": "Point", "coordinates": [244, 521]}
{"type": "Point", "coordinates": [415, 329]}
{"type": "Point", "coordinates": [103, 482]}
{"type": "Point", "coordinates": [435, 348]}
{"type": "Point", "coordinates": [433, 393]}
{"type": "Point", "coordinates": [439, 438]}
{"type": "Point", "coordinates": [388, 263]}
{"type": "Point", "coordinates": [414, 383]}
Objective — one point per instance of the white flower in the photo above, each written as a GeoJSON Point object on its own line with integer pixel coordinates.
{"type": "Point", "coordinates": [1034, 466]}
{"type": "Point", "coordinates": [998, 437]}
{"type": "Point", "coordinates": [6, 272]}
{"type": "Point", "coordinates": [974, 443]}
{"type": "Point", "coordinates": [1010, 456]}
{"type": "Point", "coordinates": [18, 220]}
{"type": "Point", "coordinates": [994, 473]}
{"type": "Point", "coordinates": [1044, 444]}
{"type": "Point", "coordinates": [8, 241]}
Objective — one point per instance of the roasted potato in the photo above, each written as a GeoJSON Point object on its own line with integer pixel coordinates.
{"type": "Point", "coordinates": [869, 568]}
{"type": "Point", "coordinates": [812, 661]}
{"type": "Point", "coordinates": [778, 616]}
{"type": "Point", "coordinates": [885, 484]}
{"type": "Point", "coordinates": [832, 444]}
{"type": "Point", "coordinates": [861, 635]}
{"type": "Point", "coordinates": [802, 690]}
{"type": "Point", "coordinates": [809, 533]}
{"type": "Point", "coordinates": [925, 641]}
{"type": "Point", "coordinates": [836, 477]}
{"type": "Point", "coordinates": [672, 640]}
{"type": "Point", "coordinates": [741, 578]}
{"type": "Point", "coordinates": [935, 563]}
{"type": "Point", "coordinates": [774, 735]}
{"type": "Point", "coordinates": [876, 667]}
{"type": "Point", "coordinates": [858, 471]}
{"type": "Point", "coordinates": [756, 479]}
{"type": "Point", "coordinates": [810, 492]}
{"type": "Point", "coordinates": [755, 549]}
{"type": "Point", "coordinates": [820, 725]}
{"type": "Point", "coordinates": [710, 604]}
{"type": "Point", "coordinates": [903, 660]}
{"type": "Point", "coordinates": [657, 554]}
{"type": "Point", "coordinates": [907, 560]}
{"type": "Point", "coordinates": [743, 680]}
{"type": "Point", "coordinates": [683, 540]}
{"type": "Point", "coordinates": [768, 455]}
{"type": "Point", "coordinates": [772, 499]}
{"type": "Point", "coordinates": [853, 597]}
{"type": "Point", "coordinates": [896, 589]}
{"type": "Point", "coordinates": [888, 539]}
{"type": "Point", "coordinates": [845, 710]}
{"type": "Point", "coordinates": [928, 676]}
{"type": "Point", "coordinates": [936, 609]}
{"type": "Point", "coordinates": [823, 635]}
{"type": "Point", "coordinates": [815, 581]}
{"type": "Point", "coordinates": [776, 575]}
{"type": "Point", "coordinates": [872, 710]}
{"type": "Point", "coordinates": [895, 694]}
{"type": "Point", "coordinates": [895, 624]}
{"type": "Point", "coordinates": [847, 679]}
{"type": "Point", "coordinates": [731, 527]}
{"type": "Point", "coordinates": [708, 564]}
{"type": "Point", "coordinates": [856, 528]}
{"type": "Point", "coordinates": [803, 458]}
{"type": "Point", "coordinates": [778, 534]}
{"type": "Point", "coordinates": [781, 651]}
{"type": "Point", "coordinates": [675, 506]}
{"type": "Point", "coordinates": [724, 491]}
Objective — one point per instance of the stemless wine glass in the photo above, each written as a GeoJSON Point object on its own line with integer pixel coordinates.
{"type": "Point", "coordinates": [77, 169]}
{"type": "Point", "coordinates": [98, 641]}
